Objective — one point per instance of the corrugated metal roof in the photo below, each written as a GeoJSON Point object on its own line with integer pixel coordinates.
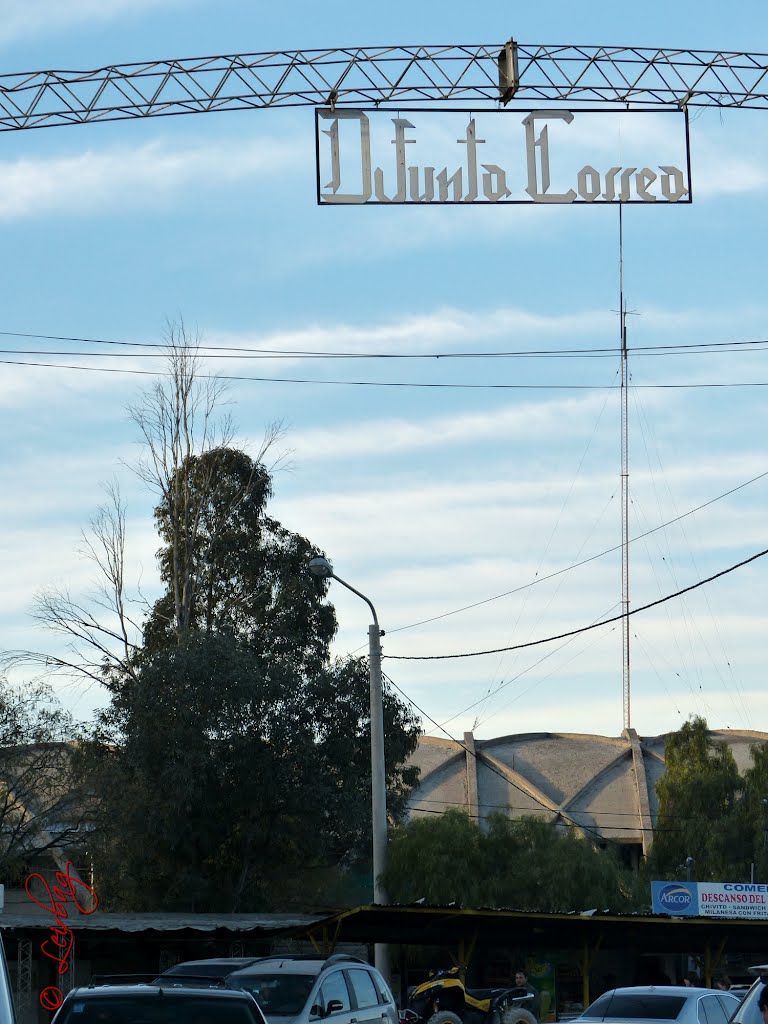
{"type": "Point", "coordinates": [102, 921]}
{"type": "Point", "coordinates": [434, 925]}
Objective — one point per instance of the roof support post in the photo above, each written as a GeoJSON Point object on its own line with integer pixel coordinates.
{"type": "Point", "coordinates": [711, 963]}
{"type": "Point", "coordinates": [464, 953]}
{"type": "Point", "coordinates": [587, 957]}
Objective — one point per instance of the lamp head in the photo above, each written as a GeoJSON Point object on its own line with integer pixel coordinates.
{"type": "Point", "coordinates": [320, 566]}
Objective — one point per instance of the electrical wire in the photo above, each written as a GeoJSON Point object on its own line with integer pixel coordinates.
{"type": "Point", "coordinates": [758, 344]}
{"type": "Point", "coordinates": [495, 770]}
{"type": "Point", "coordinates": [655, 830]}
{"type": "Point", "coordinates": [400, 384]}
{"type": "Point", "coordinates": [537, 682]}
{"type": "Point", "coordinates": [592, 810]}
{"type": "Point", "coordinates": [585, 561]}
{"type": "Point", "coordinates": [699, 638]}
{"type": "Point", "coordinates": [582, 629]}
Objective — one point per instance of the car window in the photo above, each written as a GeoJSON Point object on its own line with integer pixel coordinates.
{"type": "Point", "coordinates": [335, 987]}
{"type": "Point", "coordinates": [385, 996]}
{"type": "Point", "coordinates": [363, 988]}
{"type": "Point", "coordinates": [636, 1006]}
{"type": "Point", "coordinates": [710, 1011]}
{"type": "Point", "coordinates": [277, 994]}
{"type": "Point", "coordinates": [729, 1003]}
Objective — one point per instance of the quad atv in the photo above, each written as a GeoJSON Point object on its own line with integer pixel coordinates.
{"type": "Point", "coordinates": [444, 999]}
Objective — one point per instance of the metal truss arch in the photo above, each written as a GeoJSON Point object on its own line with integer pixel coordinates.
{"type": "Point", "coordinates": [389, 76]}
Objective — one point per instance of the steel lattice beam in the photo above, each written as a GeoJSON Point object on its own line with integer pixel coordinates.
{"type": "Point", "coordinates": [393, 75]}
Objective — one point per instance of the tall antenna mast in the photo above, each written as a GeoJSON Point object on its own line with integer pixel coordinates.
{"type": "Point", "coordinates": [624, 484]}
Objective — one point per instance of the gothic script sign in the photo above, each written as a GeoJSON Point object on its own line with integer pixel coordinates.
{"type": "Point", "coordinates": [512, 156]}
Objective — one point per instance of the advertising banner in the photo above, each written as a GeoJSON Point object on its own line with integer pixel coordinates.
{"type": "Point", "coordinates": [464, 157]}
{"type": "Point", "coordinates": [710, 899]}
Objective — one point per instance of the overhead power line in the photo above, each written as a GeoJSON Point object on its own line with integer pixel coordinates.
{"type": "Point", "coordinates": [395, 384]}
{"type": "Point", "coordinates": [583, 561]}
{"type": "Point", "coordinates": [492, 768]}
{"type": "Point", "coordinates": [246, 351]}
{"type": "Point", "coordinates": [591, 810]}
{"type": "Point", "coordinates": [582, 629]}
{"type": "Point", "coordinates": [655, 830]}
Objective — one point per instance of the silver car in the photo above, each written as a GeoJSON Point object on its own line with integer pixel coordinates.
{"type": "Point", "coordinates": [299, 990]}
{"type": "Point", "coordinates": [749, 1011]}
{"type": "Point", "coordinates": [662, 1003]}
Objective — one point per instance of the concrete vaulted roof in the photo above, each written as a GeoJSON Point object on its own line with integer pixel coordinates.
{"type": "Point", "coordinates": [603, 783]}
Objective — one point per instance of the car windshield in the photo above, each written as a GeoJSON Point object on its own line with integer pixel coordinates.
{"type": "Point", "coordinates": [636, 1006]}
{"type": "Point", "coordinates": [278, 994]}
{"type": "Point", "coordinates": [127, 1009]}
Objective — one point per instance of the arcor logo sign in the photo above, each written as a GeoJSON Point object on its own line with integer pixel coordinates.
{"type": "Point", "coordinates": [511, 156]}
{"type": "Point", "coordinates": [675, 898]}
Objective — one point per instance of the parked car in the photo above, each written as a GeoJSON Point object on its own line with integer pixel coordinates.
{"type": "Point", "coordinates": [7, 1015]}
{"type": "Point", "coordinates": [157, 1004]}
{"type": "Point", "coordinates": [195, 972]}
{"type": "Point", "coordinates": [748, 1012]}
{"type": "Point", "coordinates": [651, 1003]}
{"type": "Point", "coordinates": [301, 990]}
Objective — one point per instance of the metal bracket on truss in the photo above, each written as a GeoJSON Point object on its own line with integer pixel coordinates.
{"type": "Point", "coordinates": [509, 77]}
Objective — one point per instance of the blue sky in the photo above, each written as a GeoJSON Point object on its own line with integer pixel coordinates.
{"type": "Point", "coordinates": [428, 500]}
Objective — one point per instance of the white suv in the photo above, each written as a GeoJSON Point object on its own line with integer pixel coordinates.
{"type": "Point", "coordinates": [301, 990]}
{"type": "Point", "coordinates": [749, 1012]}
{"type": "Point", "coordinates": [7, 1015]}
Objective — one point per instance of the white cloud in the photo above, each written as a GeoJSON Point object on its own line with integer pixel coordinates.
{"type": "Point", "coordinates": [521, 421]}
{"type": "Point", "coordinates": [726, 161]}
{"type": "Point", "coordinates": [42, 17]}
{"type": "Point", "coordinates": [730, 175]}
{"type": "Point", "coordinates": [434, 331]}
{"type": "Point", "coordinates": [139, 176]}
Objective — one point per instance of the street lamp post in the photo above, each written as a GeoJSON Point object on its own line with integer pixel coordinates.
{"type": "Point", "coordinates": [321, 566]}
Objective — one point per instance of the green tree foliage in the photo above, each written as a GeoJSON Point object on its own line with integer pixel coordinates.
{"type": "Point", "coordinates": [707, 810]}
{"type": "Point", "coordinates": [525, 864]}
{"type": "Point", "coordinates": [231, 781]}
{"type": "Point", "coordinates": [233, 760]}
{"type": "Point", "coordinates": [244, 574]}
{"type": "Point", "coordinates": [755, 808]}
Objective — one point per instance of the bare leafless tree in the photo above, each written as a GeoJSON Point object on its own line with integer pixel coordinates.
{"type": "Point", "coordinates": [185, 428]}
{"type": "Point", "coordinates": [178, 418]}
{"type": "Point", "coordinates": [186, 435]}
{"type": "Point", "coordinates": [102, 631]}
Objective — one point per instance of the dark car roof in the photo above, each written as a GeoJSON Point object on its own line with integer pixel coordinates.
{"type": "Point", "coordinates": [152, 991]}
{"type": "Point", "coordinates": [299, 964]}
{"type": "Point", "coordinates": [646, 1002]}
{"type": "Point", "coordinates": [213, 966]}
{"type": "Point", "coordinates": [286, 965]}
{"type": "Point", "coordinates": [125, 995]}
